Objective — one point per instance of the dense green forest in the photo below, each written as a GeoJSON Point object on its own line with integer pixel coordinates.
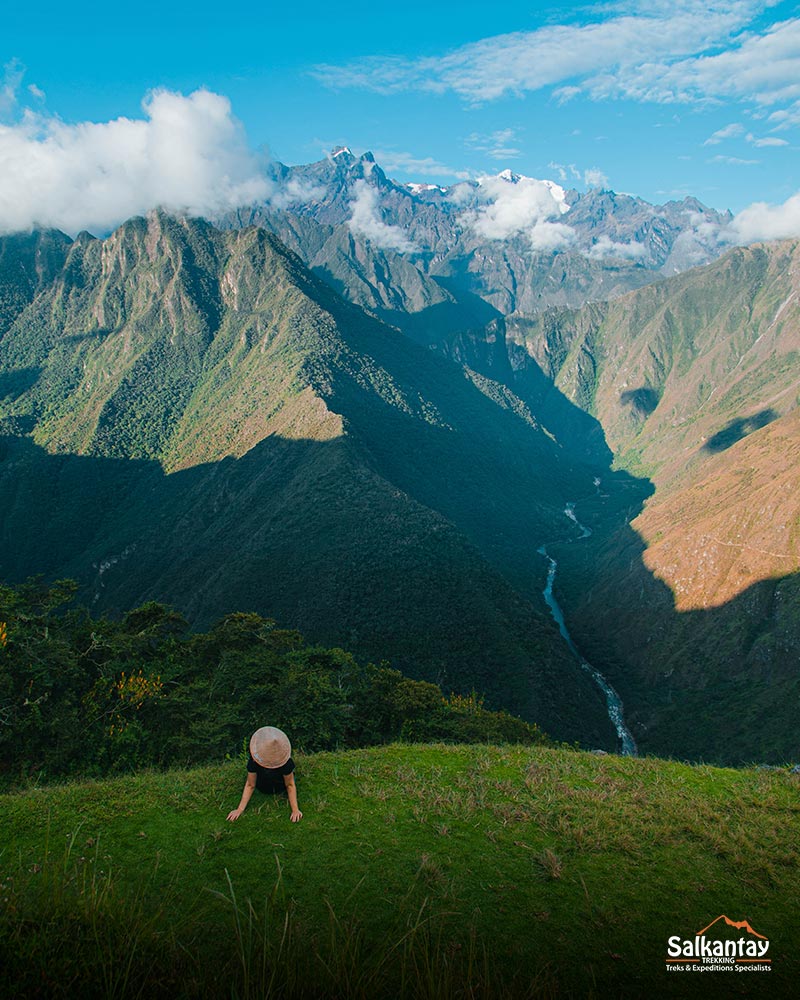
{"type": "Point", "coordinates": [84, 696]}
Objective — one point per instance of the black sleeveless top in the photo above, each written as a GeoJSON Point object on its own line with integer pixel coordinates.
{"type": "Point", "coordinates": [270, 779]}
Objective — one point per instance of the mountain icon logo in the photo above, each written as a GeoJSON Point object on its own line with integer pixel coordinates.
{"type": "Point", "coordinates": [739, 925]}
{"type": "Point", "coordinates": [725, 945]}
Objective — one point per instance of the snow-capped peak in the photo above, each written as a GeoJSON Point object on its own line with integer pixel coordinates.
{"type": "Point", "coordinates": [418, 188]}
{"type": "Point", "coordinates": [340, 150]}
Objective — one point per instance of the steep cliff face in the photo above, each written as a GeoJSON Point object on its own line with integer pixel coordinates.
{"type": "Point", "coordinates": [191, 415]}
{"type": "Point", "coordinates": [28, 262]}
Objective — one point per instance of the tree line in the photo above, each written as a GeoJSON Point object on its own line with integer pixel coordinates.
{"type": "Point", "coordinates": [89, 697]}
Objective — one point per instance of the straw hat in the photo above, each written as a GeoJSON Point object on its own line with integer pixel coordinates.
{"type": "Point", "coordinates": [270, 747]}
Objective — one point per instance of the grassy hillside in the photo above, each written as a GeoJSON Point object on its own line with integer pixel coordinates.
{"type": "Point", "coordinates": [434, 871]}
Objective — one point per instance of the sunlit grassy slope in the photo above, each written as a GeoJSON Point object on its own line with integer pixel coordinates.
{"type": "Point", "coordinates": [442, 871]}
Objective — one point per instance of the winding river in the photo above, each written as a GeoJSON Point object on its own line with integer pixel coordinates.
{"type": "Point", "coordinates": [613, 700]}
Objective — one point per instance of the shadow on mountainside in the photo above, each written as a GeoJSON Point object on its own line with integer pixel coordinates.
{"type": "Point", "coordinates": [14, 383]}
{"type": "Point", "coordinates": [298, 531]}
{"type": "Point", "coordinates": [719, 684]}
{"type": "Point", "coordinates": [737, 429]}
{"type": "Point", "coordinates": [433, 325]}
{"type": "Point", "coordinates": [642, 401]}
{"type": "Point", "coordinates": [302, 532]}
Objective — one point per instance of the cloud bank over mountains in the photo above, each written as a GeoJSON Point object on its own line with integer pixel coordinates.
{"type": "Point", "coordinates": [508, 205]}
{"type": "Point", "coordinates": [188, 154]}
{"type": "Point", "coordinates": [366, 221]}
{"type": "Point", "coordinates": [762, 221]}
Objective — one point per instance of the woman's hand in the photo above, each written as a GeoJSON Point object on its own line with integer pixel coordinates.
{"type": "Point", "coordinates": [247, 791]}
{"type": "Point", "coordinates": [296, 816]}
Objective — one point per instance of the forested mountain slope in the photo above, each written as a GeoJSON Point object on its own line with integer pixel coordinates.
{"type": "Point", "coordinates": [191, 416]}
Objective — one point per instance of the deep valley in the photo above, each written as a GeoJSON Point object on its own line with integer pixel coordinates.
{"type": "Point", "coordinates": [372, 445]}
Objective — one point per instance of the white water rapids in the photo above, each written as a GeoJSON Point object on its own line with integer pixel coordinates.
{"type": "Point", "coordinates": [613, 700]}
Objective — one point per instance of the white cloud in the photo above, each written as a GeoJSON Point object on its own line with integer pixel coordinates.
{"type": "Point", "coordinates": [766, 141]}
{"type": "Point", "coordinates": [606, 247]}
{"type": "Point", "coordinates": [762, 221]}
{"type": "Point", "coordinates": [762, 68]}
{"type": "Point", "coordinates": [785, 118]}
{"type": "Point", "coordinates": [296, 192]}
{"type": "Point", "coordinates": [551, 236]}
{"type": "Point", "coordinates": [736, 161]}
{"type": "Point", "coordinates": [406, 163]}
{"type": "Point", "coordinates": [508, 205]}
{"type": "Point", "coordinates": [605, 54]}
{"type": "Point", "coordinates": [595, 178]}
{"type": "Point", "coordinates": [698, 244]}
{"type": "Point", "coordinates": [758, 222]}
{"type": "Point", "coordinates": [565, 94]}
{"type": "Point", "coordinates": [685, 51]}
{"type": "Point", "coordinates": [36, 92]}
{"type": "Point", "coordinates": [767, 66]}
{"type": "Point", "coordinates": [188, 155]}
{"type": "Point", "coordinates": [497, 145]}
{"type": "Point", "coordinates": [366, 221]}
{"type": "Point", "coordinates": [728, 132]}
{"type": "Point", "coordinates": [566, 171]}
{"type": "Point", "coordinates": [13, 72]}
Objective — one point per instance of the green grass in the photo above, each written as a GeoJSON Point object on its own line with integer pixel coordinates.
{"type": "Point", "coordinates": [440, 871]}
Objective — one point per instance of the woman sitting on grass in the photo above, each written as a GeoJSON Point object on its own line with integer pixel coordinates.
{"type": "Point", "coordinates": [270, 769]}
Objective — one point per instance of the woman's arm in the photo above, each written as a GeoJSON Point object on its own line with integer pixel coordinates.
{"type": "Point", "coordinates": [249, 788]}
{"type": "Point", "coordinates": [291, 791]}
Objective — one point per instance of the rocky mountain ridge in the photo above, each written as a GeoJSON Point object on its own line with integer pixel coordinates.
{"type": "Point", "coordinates": [277, 407]}
{"type": "Point", "coordinates": [504, 242]}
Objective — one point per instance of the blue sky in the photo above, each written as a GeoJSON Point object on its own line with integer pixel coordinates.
{"type": "Point", "coordinates": [660, 99]}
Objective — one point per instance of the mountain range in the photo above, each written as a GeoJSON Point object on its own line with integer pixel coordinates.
{"type": "Point", "coordinates": [362, 407]}
{"type": "Point", "coordinates": [190, 415]}
{"type": "Point", "coordinates": [445, 259]}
